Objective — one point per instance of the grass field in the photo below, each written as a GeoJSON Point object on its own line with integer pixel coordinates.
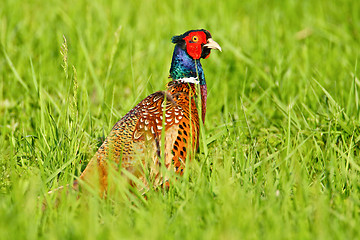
{"type": "Point", "coordinates": [280, 151]}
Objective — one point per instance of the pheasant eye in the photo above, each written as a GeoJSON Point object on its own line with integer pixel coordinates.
{"type": "Point", "coordinates": [195, 39]}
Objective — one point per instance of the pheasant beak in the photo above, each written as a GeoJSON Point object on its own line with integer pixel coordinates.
{"type": "Point", "coordinates": [212, 44]}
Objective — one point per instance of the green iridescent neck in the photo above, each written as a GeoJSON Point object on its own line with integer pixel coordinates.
{"type": "Point", "coordinates": [183, 66]}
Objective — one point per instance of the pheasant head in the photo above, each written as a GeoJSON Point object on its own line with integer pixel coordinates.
{"type": "Point", "coordinates": [197, 43]}
{"type": "Point", "coordinates": [190, 47]}
{"type": "Point", "coordinates": [185, 66]}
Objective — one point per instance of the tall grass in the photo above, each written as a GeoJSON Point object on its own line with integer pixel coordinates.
{"type": "Point", "coordinates": [282, 129]}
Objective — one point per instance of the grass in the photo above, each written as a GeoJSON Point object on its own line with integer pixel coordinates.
{"type": "Point", "coordinates": [282, 133]}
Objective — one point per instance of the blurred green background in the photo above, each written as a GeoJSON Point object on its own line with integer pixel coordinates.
{"type": "Point", "coordinates": [280, 152]}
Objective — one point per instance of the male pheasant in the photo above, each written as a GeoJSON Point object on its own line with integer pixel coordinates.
{"type": "Point", "coordinates": [135, 142]}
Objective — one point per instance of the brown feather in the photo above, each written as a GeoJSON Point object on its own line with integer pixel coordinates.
{"type": "Point", "coordinates": [135, 140]}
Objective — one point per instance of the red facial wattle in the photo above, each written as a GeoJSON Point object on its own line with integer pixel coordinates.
{"type": "Point", "coordinates": [194, 44]}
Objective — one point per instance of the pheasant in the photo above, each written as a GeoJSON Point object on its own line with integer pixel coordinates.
{"type": "Point", "coordinates": [135, 142]}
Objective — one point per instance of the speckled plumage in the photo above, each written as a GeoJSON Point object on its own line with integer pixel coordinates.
{"type": "Point", "coordinates": [134, 143]}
